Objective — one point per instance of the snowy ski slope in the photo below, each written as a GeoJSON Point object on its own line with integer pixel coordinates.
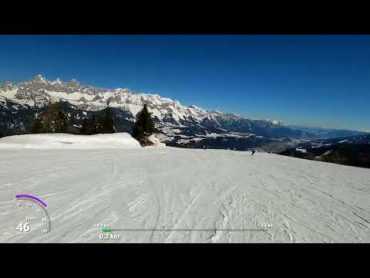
{"type": "Point", "coordinates": [187, 195]}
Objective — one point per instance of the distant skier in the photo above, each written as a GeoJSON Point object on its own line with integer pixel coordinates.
{"type": "Point", "coordinates": [253, 151]}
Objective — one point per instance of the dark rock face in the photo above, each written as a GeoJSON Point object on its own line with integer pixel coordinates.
{"type": "Point", "coordinates": [15, 119]}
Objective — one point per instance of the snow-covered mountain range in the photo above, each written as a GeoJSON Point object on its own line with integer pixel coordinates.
{"type": "Point", "coordinates": [189, 126]}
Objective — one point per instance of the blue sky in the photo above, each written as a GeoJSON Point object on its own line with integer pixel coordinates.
{"type": "Point", "coordinates": [306, 80]}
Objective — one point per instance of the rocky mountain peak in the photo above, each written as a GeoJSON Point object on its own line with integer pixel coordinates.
{"type": "Point", "coordinates": [39, 79]}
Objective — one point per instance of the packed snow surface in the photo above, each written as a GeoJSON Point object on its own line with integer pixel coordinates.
{"type": "Point", "coordinates": [183, 195]}
{"type": "Point", "coordinates": [70, 141]}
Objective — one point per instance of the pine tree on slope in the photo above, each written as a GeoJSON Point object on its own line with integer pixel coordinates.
{"type": "Point", "coordinates": [144, 125]}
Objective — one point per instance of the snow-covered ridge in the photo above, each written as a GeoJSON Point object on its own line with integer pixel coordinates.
{"type": "Point", "coordinates": [40, 92]}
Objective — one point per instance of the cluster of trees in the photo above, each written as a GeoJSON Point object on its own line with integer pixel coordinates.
{"type": "Point", "coordinates": [55, 120]}
{"type": "Point", "coordinates": [99, 124]}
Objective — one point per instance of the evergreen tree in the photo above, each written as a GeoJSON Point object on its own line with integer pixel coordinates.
{"type": "Point", "coordinates": [144, 125]}
{"type": "Point", "coordinates": [107, 121]}
{"type": "Point", "coordinates": [88, 127]}
{"type": "Point", "coordinates": [36, 126]}
{"type": "Point", "coordinates": [62, 122]}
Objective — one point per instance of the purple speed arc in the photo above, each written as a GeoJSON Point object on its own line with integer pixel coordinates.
{"type": "Point", "coordinates": [32, 197]}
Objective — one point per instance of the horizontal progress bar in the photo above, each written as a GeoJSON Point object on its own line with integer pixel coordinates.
{"type": "Point", "coordinates": [184, 230]}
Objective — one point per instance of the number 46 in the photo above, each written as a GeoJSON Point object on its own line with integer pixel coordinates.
{"type": "Point", "coordinates": [23, 228]}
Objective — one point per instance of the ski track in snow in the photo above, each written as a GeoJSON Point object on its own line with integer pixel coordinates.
{"type": "Point", "coordinates": [169, 188]}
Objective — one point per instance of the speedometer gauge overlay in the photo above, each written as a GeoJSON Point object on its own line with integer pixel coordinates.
{"type": "Point", "coordinates": [31, 220]}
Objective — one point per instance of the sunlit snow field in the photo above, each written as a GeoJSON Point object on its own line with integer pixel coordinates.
{"type": "Point", "coordinates": [179, 195]}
